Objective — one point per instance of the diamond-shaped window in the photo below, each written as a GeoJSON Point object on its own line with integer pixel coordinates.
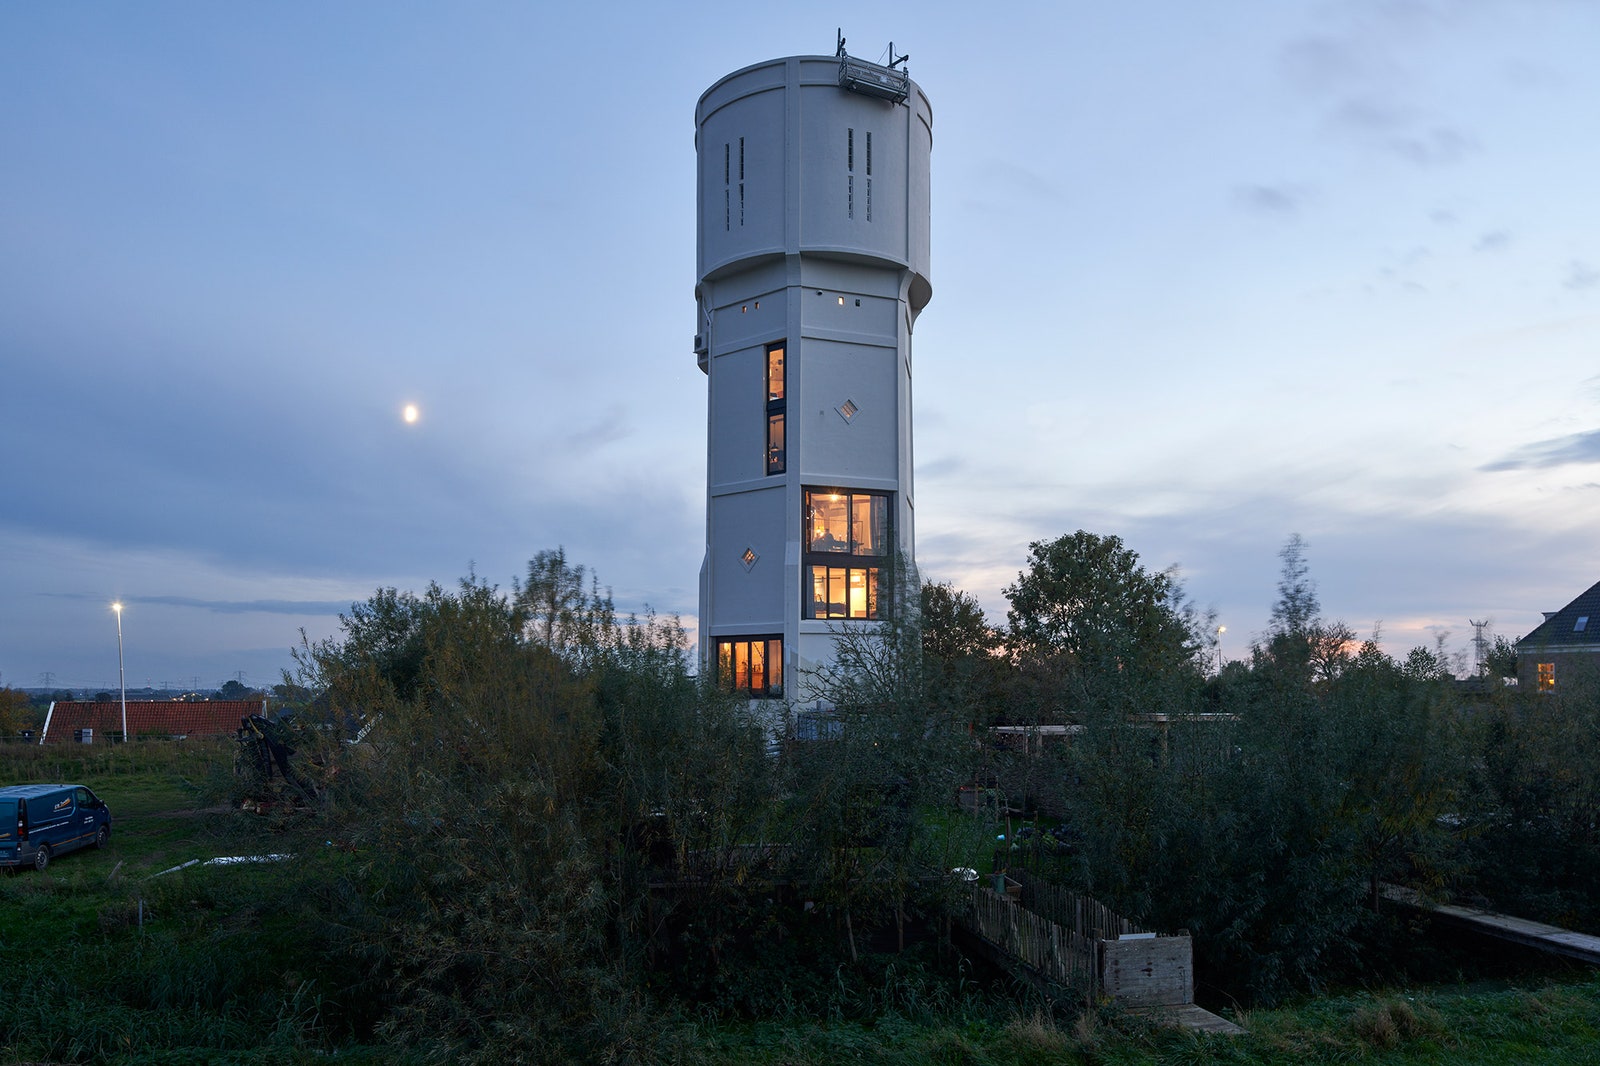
{"type": "Point", "coordinates": [749, 558]}
{"type": "Point", "coordinates": [847, 410]}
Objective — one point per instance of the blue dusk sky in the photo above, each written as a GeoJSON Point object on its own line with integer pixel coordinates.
{"type": "Point", "coordinates": [1205, 275]}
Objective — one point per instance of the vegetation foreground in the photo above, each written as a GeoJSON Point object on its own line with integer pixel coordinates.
{"type": "Point", "coordinates": [556, 843]}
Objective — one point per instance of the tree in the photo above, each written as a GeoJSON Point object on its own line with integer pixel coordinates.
{"type": "Point", "coordinates": [859, 804]}
{"type": "Point", "coordinates": [1299, 641]}
{"type": "Point", "coordinates": [516, 785]}
{"type": "Point", "coordinates": [1297, 609]}
{"type": "Point", "coordinates": [1500, 660]}
{"type": "Point", "coordinates": [962, 658]}
{"type": "Point", "coordinates": [1090, 622]}
{"type": "Point", "coordinates": [16, 712]}
{"type": "Point", "coordinates": [563, 614]}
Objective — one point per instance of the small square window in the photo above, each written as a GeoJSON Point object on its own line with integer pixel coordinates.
{"type": "Point", "coordinates": [848, 410]}
{"type": "Point", "coordinates": [749, 558]}
{"type": "Point", "coordinates": [1581, 624]}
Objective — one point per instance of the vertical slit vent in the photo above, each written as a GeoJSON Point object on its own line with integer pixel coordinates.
{"type": "Point", "coordinates": [869, 155]}
{"type": "Point", "coordinates": [850, 150]}
{"type": "Point", "coordinates": [850, 201]}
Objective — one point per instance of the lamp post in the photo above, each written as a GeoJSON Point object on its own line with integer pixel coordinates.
{"type": "Point", "coordinates": [1220, 630]}
{"type": "Point", "coordinates": [122, 683]}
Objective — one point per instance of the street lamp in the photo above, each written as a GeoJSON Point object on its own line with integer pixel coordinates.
{"type": "Point", "coordinates": [1220, 630]}
{"type": "Point", "coordinates": [122, 683]}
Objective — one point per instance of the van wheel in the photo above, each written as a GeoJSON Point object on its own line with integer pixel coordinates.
{"type": "Point", "coordinates": [102, 838]}
{"type": "Point", "coordinates": [41, 858]}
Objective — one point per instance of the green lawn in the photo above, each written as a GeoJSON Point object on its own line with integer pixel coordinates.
{"type": "Point", "coordinates": [126, 964]}
{"type": "Point", "coordinates": [1499, 1025]}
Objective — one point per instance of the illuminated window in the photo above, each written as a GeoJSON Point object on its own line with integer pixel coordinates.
{"type": "Point", "coordinates": [752, 665]}
{"type": "Point", "coordinates": [1547, 676]}
{"type": "Point", "coordinates": [847, 547]}
{"type": "Point", "coordinates": [776, 407]}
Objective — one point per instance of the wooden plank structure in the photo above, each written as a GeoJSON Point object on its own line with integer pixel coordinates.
{"type": "Point", "coordinates": [1091, 949]}
{"type": "Point", "coordinates": [1053, 954]}
{"type": "Point", "coordinates": [1537, 935]}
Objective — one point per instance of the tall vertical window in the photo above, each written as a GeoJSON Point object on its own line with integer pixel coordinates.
{"type": "Point", "coordinates": [752, 665]}
{"type": "Point", "coordinates": [847, 553]}
{"type": "Point", "coordinates": [1547, 676]}
{"type": "Point", "coordinates": [850, 173]}
{"type": "Point", "coordinates": [777, 407]}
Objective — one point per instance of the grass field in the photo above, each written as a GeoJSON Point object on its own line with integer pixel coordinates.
{"type": "Point", "coordinates": [113, 960]}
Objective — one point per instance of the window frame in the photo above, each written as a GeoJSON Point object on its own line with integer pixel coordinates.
{"type": "Point", "coordinates": [853, 580]}
{"type": "Point", "coordinates": [777, 403]}
{"type": "Point", "coordinates": [771, 645]}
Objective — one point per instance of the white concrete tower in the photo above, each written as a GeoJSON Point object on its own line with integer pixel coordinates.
{"type": "Point", "coordinates": [813, 266]}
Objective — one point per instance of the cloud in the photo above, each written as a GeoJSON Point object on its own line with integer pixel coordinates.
{"type": "Point", "coordinates": [1367, 69]}
{"type": "Point", "coordinates": [1439, 146]}
{"type": "Point", "coordinates": [1580, 276]}
{"type": "Point", "coordinates": [1270, 199]}
{"type": "Point", "coordinates": [1391, 126]}
{"type": "Point", "coordinates": [294, 607]}
{"type": "Point", "coordinates": [1493, 241]}
{"type": "Point", "coordinates": [1560, 451]}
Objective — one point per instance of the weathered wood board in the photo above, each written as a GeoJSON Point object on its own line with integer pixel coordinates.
{"type": "Point", "coordinates": [1148, 971]}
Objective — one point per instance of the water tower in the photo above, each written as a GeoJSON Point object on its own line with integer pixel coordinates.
{"type": "Point", "coordinates": [812, 268]}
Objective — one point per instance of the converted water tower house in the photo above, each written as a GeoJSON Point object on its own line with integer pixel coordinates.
{"type": "Point", "coordinates": [813, 266]}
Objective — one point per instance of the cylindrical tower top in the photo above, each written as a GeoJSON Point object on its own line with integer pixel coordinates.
{"type": "Point", "coordinates": [792, 163]}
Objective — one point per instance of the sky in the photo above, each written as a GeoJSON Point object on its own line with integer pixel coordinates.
{"type": "Point", "coordinates": [1205, 276]}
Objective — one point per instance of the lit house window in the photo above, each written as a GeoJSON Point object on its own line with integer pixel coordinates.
{"type": "Point", "coordinates": [776, 407]}
{"type": "Point", "coordinates": [1547, 676]}
{"type": "Point", "coordinates": [752, 665]}
{"type": "Point", "coordinates": [847, 547]}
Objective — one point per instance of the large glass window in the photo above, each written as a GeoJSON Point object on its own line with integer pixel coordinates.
{"type": "Point", "coordinates": [847, 550]}
{"type": "Point", "coordinates": [752, 665]}
{"type": "Point", "coordinates": [776, 409]}
{"type": "Point", "coordinates": [1547, 676]}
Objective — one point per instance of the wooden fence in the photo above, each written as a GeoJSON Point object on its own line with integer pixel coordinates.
{"type": "Point", "coordinates": [1083, 915]}
{"type": "Point", "coordinates": [1054, 952]}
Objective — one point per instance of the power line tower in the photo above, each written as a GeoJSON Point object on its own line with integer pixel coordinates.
{"type": "Point", "coordinates": [1480, 645]}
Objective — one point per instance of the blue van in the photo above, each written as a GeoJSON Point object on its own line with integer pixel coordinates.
{"type": "Point", "coordinates": [38, 822]}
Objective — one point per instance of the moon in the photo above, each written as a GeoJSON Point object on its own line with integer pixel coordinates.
{"type": "Point", "coordinates": [410, 413]}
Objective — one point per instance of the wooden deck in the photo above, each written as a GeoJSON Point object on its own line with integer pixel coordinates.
{"type": "Point", "coordinates": [1551, 938]}
{"type": "Point", "coordinates": [1188, 1016]}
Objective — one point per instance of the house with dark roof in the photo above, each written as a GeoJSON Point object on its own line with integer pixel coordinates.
{"type": "Point", "coordinates": [69, 721]}
{"type": "Point", "coordinates": [1565, 644]}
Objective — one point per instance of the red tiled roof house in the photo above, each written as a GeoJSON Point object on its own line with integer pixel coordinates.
{"type": "Point", "coordinates": [162, 719]}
